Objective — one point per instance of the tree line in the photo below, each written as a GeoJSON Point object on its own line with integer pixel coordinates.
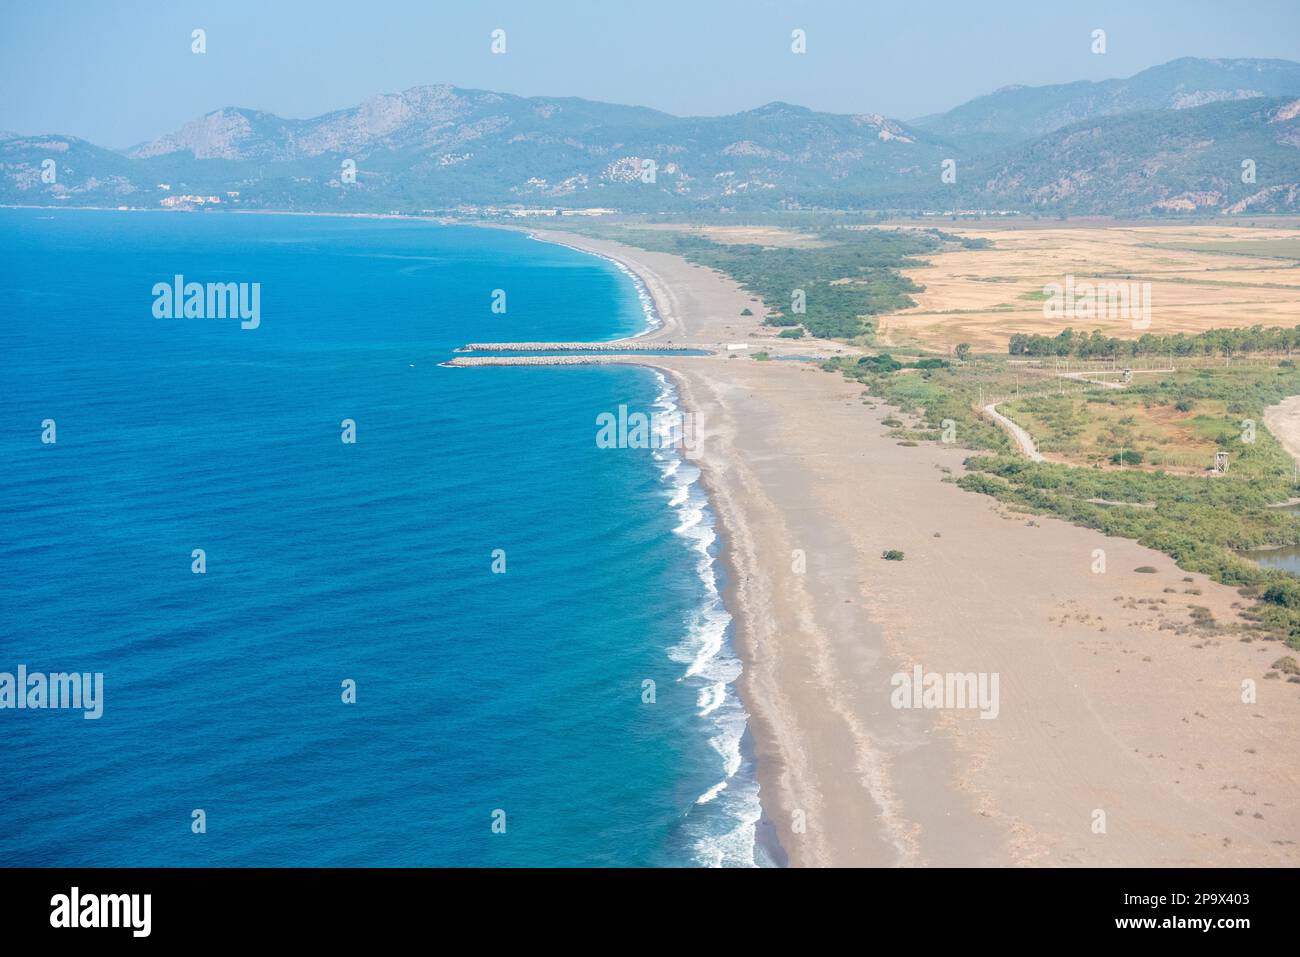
{"type": "Point", "coordinates": [1212, 342]}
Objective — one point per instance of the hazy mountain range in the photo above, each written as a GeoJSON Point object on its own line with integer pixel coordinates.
{"type": "Point", "coordinates": [1208, 135]}
{"type": "Point", "coordinates": [1020, 113]}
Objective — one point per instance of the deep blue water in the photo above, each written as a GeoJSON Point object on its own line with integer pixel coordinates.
{"type": "Point", "coordinates": [326, 561]}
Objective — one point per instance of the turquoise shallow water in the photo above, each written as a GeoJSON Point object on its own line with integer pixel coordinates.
{"type": "Point", "coordinates": [476, 692]}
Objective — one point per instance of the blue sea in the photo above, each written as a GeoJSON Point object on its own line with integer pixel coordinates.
{"type": "Point", "coordinates": [500, 716]}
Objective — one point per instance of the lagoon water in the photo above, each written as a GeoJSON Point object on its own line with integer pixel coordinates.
{"type": "Point", "coordinates": [1287, 559]}
{"type": "Point", "coordinates": [476, 692]}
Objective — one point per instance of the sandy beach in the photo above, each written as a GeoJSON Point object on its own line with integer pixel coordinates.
{"type": "Point", "coordinates": [1283, 420]}
{"type": "Point", "coordinates": [1123, 734]}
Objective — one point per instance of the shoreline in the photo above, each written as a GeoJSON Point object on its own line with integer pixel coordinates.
{"type": "Point", "coordinates": [654, 318]}
{"type": "Point", "coordinates": [776, 832]}
{"type": "Point", "coordinates": [768, 837]}
{"type": "Point", "coordinates": [768, 765]}
{"type": "Point", "coordinates": [716, 665]}
{"type": "Point", "coordinates": [654, 295]}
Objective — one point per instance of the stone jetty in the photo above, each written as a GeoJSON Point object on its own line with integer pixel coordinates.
{"type": "Point", "coordinates": [469, 361]}
{"type": "Point", "coordinates": [616, 346]}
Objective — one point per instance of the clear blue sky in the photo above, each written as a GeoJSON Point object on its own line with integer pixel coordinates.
{"type": "Point", "coordinates": [120, 72]}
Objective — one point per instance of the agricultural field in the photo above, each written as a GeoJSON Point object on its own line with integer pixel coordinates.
{"type": "Point", "coordinates": [1201, 276]}
{"type": "Point", "coordinates": [1288, 248]}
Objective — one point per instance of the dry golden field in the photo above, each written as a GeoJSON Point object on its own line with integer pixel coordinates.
{"type": "Point", "coordinates": [1201, 276]}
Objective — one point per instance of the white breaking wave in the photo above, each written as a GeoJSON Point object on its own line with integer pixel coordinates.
{"type": "Point", "coordinates": [727, 834]}
{"type": "Point", "coordinates": [710, 698]}
{"type": "Point", "coordinates": [728, 831]}
{"type": "Point", "coordinates": [711, 793]}
{"type": "Point", "coordinates": [652, 319]}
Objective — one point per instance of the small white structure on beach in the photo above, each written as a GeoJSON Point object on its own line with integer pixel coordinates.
{"type": "Point", "coordinates": [737, 346]}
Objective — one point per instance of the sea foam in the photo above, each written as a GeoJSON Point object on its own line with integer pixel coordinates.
{"type": "Point", "coordinates": [724, 835]}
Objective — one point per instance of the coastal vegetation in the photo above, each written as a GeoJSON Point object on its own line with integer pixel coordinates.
{"type": "Point", "coordinates": [935, 391]}
{"type": "Point", "coordinates": [1212, 342]}
{"type": "Point", "coordinates": [1177, 423]}
{"type": "Point", "coordinates": [1137, 462]}
{"type": "Point", "coordinates": [830, 286]}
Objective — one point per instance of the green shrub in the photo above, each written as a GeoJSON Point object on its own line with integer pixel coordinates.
{"type": "Point", "coordinates": [1284, 593]}
{"type": "Point", "coordinates": [1287, 665]}
{"type": "Point", "coordinates": [881, 363]}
